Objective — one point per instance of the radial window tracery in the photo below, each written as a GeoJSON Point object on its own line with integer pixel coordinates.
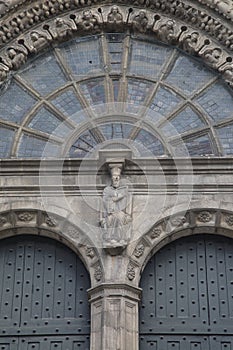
{"type": "Point", "coordinates": [92, 90]}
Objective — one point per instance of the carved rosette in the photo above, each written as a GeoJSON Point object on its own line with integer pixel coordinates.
{"type": "Point", "coordinates": [178, 221]}
{"type": "Point", "coordinates": [3, 220]}
{"type": "Point", "coordinates": [51, 221]}
{"type": "Point", "coordinates": [131, 273]}
{"type": "Point", "coordinates": [90, 252]}
{"type": "Point", "coordinates": [229, 220]}
{"type": "Point", "coordinates": [155, 232]}
{"type": "Point", "coordinates": [25, 217]}
{"type": "Point", "coordinates": [33, 29]}
{"type": "Point", "coordinates": [139, 251]}
{"type": "Point", "coordinates": [98, 273]}
{"type": "Point", "coordinates": [204, 216]}
{"type": "Point", "coordinates": [73, 232]}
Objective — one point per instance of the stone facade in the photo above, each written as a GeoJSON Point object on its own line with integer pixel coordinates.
{"type": "Point", "coordinates": [170, 199]}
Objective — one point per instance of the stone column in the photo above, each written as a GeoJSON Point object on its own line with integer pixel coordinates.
{"type": "Point", "coordinates": [114, 317]}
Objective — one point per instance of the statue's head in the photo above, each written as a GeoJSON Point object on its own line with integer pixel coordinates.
{"type": "Point", "coordinates": [116, 176]}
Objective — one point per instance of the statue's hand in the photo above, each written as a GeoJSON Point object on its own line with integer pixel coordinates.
{"type": "Point", "coordinates": [118, 198]}
{"type": "Point", "coordinates": [103, 223]}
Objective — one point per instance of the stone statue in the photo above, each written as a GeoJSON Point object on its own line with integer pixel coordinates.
{"type": "Point", "coordinates": [115, 17]}
{"type": "Point", "coordinates": [116, 212]}
{"type": "Point", "coordinates": [140, 22]}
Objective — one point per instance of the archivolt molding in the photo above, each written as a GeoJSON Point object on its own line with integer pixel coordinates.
{"type": "Point", "coordinates": [195, 221]}
{"type": "Point", "coordinates": [34, 29]}
{"type": "Point", "coordinates": [39, 222]}
{"type": "Point", "coordinates": [223, 7]}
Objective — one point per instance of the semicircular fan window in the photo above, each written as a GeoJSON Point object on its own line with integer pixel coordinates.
{"type": "Point", "coordinates": [141, 94]}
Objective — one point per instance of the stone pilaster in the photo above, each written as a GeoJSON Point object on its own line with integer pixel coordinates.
{"type": "Point", "coordinates": [114, 319]}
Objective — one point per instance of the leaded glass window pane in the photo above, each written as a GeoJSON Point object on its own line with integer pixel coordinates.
{"type": "Point", "coordinates": [6, 140]}
{"type": "Point", "coordinates": [199, 146]}
{"type": "Point", "coordinates": [33, 147]}
{"type": "Point", "coordinates": [85, 144]}
{"type": "Point", "coordinates": [150, 145]}
{"type": "Point", "coordinates": [116, 130]}
{"type": "Point", "coordinates": [186, 120]}
{"type": "Point", "coordinates": [68, 103]}
{"type": "Point", "coordinates": [47, 122]}
{"type": "Point", "coordinates": [115, 48]}
{"type": "Point", "coordinates": [188, 75]}
{"type": "Point", "coordinates": [217, 102]}
{"type": "Point", "coordinates": [147, 59]}
{"type": "Point", "coordinates": [94, 93]}
{"type": "Point", "coordinates": [226, 137]}
{"type": "Point", "coordinates": [15, 102]}
{"type": "Point", "coordinates": [44, 74]}
{"type": "Point", "coordinates": [83, 56]}
{"type": "Point", "coordinates": [138, 91]}
{"type": "Point", "coordinates": [164, 102]}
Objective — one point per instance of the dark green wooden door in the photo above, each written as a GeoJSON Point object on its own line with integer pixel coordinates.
{"type": "Point", "coordinates": [43, 299]}
{"type": "Point", "coordinates": [187, 298]}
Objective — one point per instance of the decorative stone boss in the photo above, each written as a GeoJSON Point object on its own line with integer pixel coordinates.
{"type": "Point", "coordinates": [116, 214]}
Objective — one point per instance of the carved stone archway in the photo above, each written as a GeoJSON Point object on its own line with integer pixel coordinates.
{"type": "Point", "coordinates": [49, 224]}
{"type": "Point", "coordinates": [195, 221]}
{"type": "Point", "coordinates": [31, 29]}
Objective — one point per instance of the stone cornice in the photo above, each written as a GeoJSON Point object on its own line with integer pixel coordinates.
{"type": "Point", "coordinates": [33, 167]}
{"type": "Point", "coordinates": [34, 28]}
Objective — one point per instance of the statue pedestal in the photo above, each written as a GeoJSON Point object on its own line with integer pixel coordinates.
{"type": "Point", "coordinates": [114, 248]}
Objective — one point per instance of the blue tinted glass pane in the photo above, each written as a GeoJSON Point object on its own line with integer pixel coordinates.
{"type": "Point", "coordinates": [150, 144]}
{"type": "Point", "coordinates": [116, 130]}
{"type": "Point", "coordinates": [164, 102]}
{"type": "Point", "coordinates": [138, 91]}
{"type": "Point", "coordinates": [116, 87]}
{"type": "Point", "coordinates": [6, 140]}
{"type": "Point", "coordinates": [32, 147]}
{"type": "Point", "coordinates": [69, 105]}
{"type": "Point", "coordinates": [85, 144]}
{"type": "Point", "coordinates": [83, 56]}
{"type": "Point", "coordinates": [115, 48]}
{"type": "Point", "coordinates": [147, 59]}
{"type": "Point", "coordinates": [217, 102]}
{"type": "Point", "coordinates": [188, 75]}
{"type": "Point", "coordinates": [199, 146]}
{"type": "Point", "coordinates": [44, 74]}
{"type": "Point", "coordinates": [187, 120]}
{"type": "Point", "coordinates": [225, 135]}
{"type": "Point", "coordinates": [15, 102]}
{"type": "Point", "coordinates": [93, 91]}
{"type": "Point", "coordinates": [47, 122]}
